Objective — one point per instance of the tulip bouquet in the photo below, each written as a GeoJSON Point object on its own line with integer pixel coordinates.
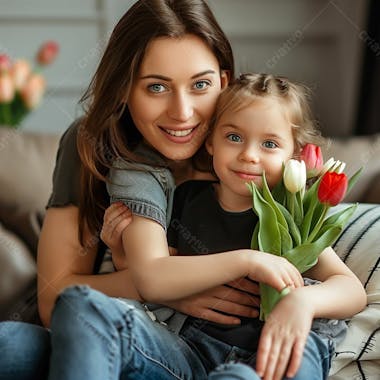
{"type": "Point", "coordinates": [293, 221]}
{"type": "Point", "coordinates": [21, 86]}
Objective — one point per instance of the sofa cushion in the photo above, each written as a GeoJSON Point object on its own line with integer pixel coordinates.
{"type": "Point", "coordinates": [20, 270]}
{"type": "Point", "coordinates": [26, 166]}
{"type": "Point", "coordinates": [359, 247]}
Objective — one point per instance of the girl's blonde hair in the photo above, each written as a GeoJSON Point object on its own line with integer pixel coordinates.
{"type": "Point", "coordinates": [293, 97]}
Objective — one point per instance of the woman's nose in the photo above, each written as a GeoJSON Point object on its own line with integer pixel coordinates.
{"type": "Point", "coordinates": [180, 107]}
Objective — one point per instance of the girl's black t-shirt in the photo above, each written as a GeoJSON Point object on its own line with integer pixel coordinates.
{"type": "Point", "coordinates": [199, 225]}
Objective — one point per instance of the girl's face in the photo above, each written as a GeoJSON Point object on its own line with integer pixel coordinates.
{"type": "Point", "coordinates": [247, 142]}
{"type": "Point", "coordinates": [174, 95]}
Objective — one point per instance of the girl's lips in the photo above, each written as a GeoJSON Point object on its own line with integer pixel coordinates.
{"type": "Point", "coordinates": [180, 136]}
{"type": "Point", "coordinates": [247, 176]}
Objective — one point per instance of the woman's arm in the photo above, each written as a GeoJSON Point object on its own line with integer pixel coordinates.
{"type": "Point", "coordinates": [63, 261]}
{"type": "Point", "coordinates": [161, 277]}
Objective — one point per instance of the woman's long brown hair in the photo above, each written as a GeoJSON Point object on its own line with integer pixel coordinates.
{"type": "Point", "coordinates": [107, 130]}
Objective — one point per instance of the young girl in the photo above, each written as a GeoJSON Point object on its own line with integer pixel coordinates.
{"type": "Point", "coordinates": [260, 122]}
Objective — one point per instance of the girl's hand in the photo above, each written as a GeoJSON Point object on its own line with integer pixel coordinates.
{"type": "Point", "coordinates": [275, 271]}
{"type": "Point", "coordinates": [116, 218]}
{"type": "Point", "coordinates": [283, 337]}
{"type": "Point", "coordinates": [239, 298]}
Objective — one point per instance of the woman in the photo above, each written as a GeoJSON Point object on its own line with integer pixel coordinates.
{"type": "Point", "coordinates": [70, 249]}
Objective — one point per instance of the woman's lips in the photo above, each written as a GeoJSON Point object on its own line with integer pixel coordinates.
{"type": "Point", "coordinates": [180, 136]}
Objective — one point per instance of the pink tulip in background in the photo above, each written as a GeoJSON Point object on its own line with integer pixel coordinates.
{"type": "Point", "coordinates": [33, 90]}
{"type": "Point", "coordinates": [21, 85]}
{"type": "Point", "coordinates": [7, 90]}
{"type": "Point", "coordinates": [47, 53]}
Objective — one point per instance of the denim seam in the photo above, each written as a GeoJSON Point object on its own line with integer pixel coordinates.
{"type": "Point", "coordinates": [158, 363]}
{"type": "Point", "coordinates": [111, 343]}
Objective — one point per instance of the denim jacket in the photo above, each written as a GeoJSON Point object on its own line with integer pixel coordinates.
{"type": "Point", "coordinates": [148, 191]}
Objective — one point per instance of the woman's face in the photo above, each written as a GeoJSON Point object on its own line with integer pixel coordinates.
{"type": "Point", "coordinates": [174, 95]}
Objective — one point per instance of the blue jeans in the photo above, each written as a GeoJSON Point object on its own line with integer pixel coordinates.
{"type": "Point", "coordinates": [98, 337]}
{"type": "Point", "coordinates": [25, 351]}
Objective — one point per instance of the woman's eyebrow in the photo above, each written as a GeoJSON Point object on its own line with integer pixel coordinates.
{"type": "Point", "coordinates": [167, 79]}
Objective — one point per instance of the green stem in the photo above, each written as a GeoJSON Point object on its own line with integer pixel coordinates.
{"type": "Point", "coordinates": [5, 115]}
{"type": "Point", "coordinates": [318, 225]}
{"type": "Point", "coordinates": [291, 204]}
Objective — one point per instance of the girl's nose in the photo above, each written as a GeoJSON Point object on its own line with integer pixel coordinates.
{"type": "Point", "coordinates": [180, 107]}
{"type": "Point", "coordinates": [249, 154]}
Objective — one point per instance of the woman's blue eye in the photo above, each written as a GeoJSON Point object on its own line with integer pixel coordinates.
{"type": "Point", "coordinates": [270, 144]}
{"type": "Point", "coordinates": [201, 85]}
{"type": "Point", "coordinates": [156, 87]}
{"type": "Point", "coordinates": [234, 138]}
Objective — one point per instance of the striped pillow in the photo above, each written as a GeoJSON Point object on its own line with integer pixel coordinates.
{"type": "Point", "coordinates": [358, 356]}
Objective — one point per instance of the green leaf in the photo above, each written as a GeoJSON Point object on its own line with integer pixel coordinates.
{"type": "Point", "coordinates": [298, 209]}
{"type": "Point", "coordinates": [353, 180]}
{"type": "Point", "coordinates": [255, 237]}
{"type": "Point", "coordinates": [269, 235]}
{"type": "Point", "coordinates": [311, 195]}
{"type": "Point", "coordinates": [341, 217]}
{"type": "Point", "coordinates": [279, 192]}
{"type": "Point", "coordinates": [269, 298]}
{"type": "Point", "coordinates": [293, 229]}
{"type": "Point", "coordinates": [267, 195]}
{"type": "Point", "coordinates": [306, 223]}
{"type": "Point", "coordinates": [286, 240]}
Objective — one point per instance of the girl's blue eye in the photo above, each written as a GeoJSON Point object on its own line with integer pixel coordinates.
{"type": "Point", "coordinates": [270, 144]}
{"type": "Point", "coordinates": [233, 137]}
{"type": "Point", "coordinates": [201, 85]}
{"type": "Point", "coordinates": [156, 87]}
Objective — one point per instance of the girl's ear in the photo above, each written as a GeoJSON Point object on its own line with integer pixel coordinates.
{"type": "Point", "coordinates": [224, 78]}
{"type": "Point", "coordinates": [209, 145]}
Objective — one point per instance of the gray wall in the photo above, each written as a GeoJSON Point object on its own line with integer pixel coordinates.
{"type": "Point", "coordinates": [318, 42]}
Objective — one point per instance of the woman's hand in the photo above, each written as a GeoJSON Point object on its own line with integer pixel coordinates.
{"type": "Point", "coordinates": [116, 218]}
{"type": "Point", "coordinates": [239, 298]}
{"type": "Point", "coordinates": [275, 271]}
{"type": "Point", "coordinates": [283, 337]}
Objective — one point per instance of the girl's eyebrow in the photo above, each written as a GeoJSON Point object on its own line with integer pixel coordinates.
{"type": "Point", "coordinates": [167, 79]}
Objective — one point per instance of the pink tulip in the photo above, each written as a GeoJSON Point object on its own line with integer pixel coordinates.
{"type": "Point", "coordinates": [20, 72]}
{"type": "Point", "coordinates": [7, 89]}
{"type": "Point", "coordinates": [47, 53]}
{"type": "Point", "coordinates": [5, 63]}
{"type": "Point", "coordinates": [33, 90]}
{"type": "Point", "coordinates": [312, 155]}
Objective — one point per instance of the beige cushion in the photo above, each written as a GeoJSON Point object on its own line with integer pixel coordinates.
{"type": "Point", "coordinates": [18, 268]}
{"type": "Point", "coordinates": [358, 151]}
{"type": "Point", "coordinates": [358, 355]}
{"type": "Point", "coordinates": [26, 165]}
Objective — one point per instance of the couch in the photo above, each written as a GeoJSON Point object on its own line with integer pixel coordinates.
{"type": "Point", "coordinates": [26, 164]}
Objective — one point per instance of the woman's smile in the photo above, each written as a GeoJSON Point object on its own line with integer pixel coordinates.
{"type": "Point", "coordinates": [174, 96]}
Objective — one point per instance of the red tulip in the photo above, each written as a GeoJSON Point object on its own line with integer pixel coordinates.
{"type": "Point", "coordinates": [5, 63]}
{"type": "Point", "coordinates": [312, 155]}
{"type": "Point", "coordinates": [332, 188]}
{"type": "Point", "coordinates": [47, 53]}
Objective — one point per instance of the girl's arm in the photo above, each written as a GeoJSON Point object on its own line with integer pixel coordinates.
{"type": "Point", "coordinates": [63, 261]}
{"type": "Point", "coordinates": [161, 277]}
{"type": "Point", "coordinates": [340, 295]}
